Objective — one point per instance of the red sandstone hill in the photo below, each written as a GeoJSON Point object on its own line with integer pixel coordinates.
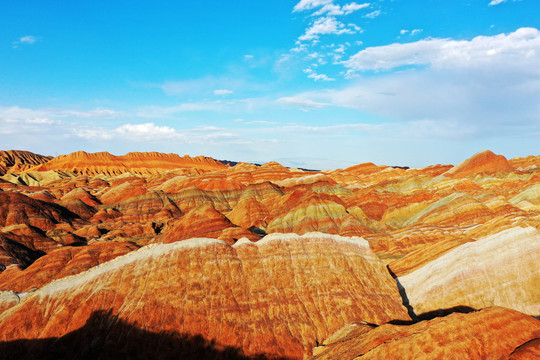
{"type": "Point", "coordinates": [483, 162]}
{"type": "Point", "coordinates": [19, 160]}
{"type": "Point", "coordinates": [72, 279]}
{"type": "Point", "coordinates": [141, 163]}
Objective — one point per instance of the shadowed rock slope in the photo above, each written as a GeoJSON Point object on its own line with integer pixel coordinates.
{"type": "Point", "coordinates": [19, 160]}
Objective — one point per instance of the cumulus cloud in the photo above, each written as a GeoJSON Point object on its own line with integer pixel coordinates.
{"type": "Point", "coordinates": [324, 26]}
{"type": "Point", "coordinates": [349, 8]}
{"type": "Point", "coordinates": [332, 9]}
{"type": "Point", "coordinates": [312, 74]}
{"type": "Point", "coordinates": [310, 4]}
{"type": "Point", "coordinates": [519, 47]}
{"type": "Point", "coordinates": [482, 88]}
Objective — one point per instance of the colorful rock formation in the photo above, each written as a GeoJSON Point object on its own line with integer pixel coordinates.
{"type": "Point", "coordinates": [137, 163]}
{"type": "Point", "coordinates": [492, 333]}
{"type": "Point", "coordinates": [489, 271]}
{"type": "Point", "coordinates": [19, 160]}
{"type": "Point", "coordinates": [275, 297]}
{"type": "Point", "coordinates": [108, 248]}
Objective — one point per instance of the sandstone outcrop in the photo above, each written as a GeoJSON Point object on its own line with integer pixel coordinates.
{"type": "Point", "coordinates": [137, 163]}
{"type": "Point", "coordinates": [483, 162]}
{"type": "Point", "coordinates": [62, 262]}
{"type": "Point", "coordinates": [19, 160]}
{"type": "Point", "coordinates": [456, 336]}
{"type": "Point", "coordinates": [490, 271]}
{"type": "Point", "coordinates": [275, 297]}
{"type": "Point", "coordinates": [439, 237]}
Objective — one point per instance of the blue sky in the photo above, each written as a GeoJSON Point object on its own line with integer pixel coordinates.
{"type": "Point", "coordinates": [310, 83]}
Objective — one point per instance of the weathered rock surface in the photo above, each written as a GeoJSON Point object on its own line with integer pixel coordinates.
{"type": "Point", "coordinates": [500, 269]}
{"type": "Point", "coordinates": [435, 228]}
{"type": "Point", "coordinates": [276, 297]}
{"type": "Point", "coordinates": [137, 163]}
{"type": "Point", "coordinates": [529, 350]}
{"type": "Point", "coordinates": [492, 333]}
{"type": "Point", "coordinates": [19, 160]}
{"type": "Point", "coordinates": [62, 262]}
{"type": "Point", "coordinates": [483, 162]}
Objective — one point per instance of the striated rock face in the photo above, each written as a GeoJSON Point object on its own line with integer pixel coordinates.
{"type": "Point", "coordinates": [20, 209]}
{"type": "Point", "coordinates": [19, 160]}
{"type": "Point", "coordinates": [492, 333]}
{"type": "Point", "coordinates": [468, 238]}
{"type": "Point", "coordinates": [202, 220]}
{"type": "Point", "coordinates": [277, 297]}
{"type": "Point", "coordinates": [63, 262]}
{"type": "Point", "coordinates": [490, 271]}
{"type": "Point", "coordinates": [529, 350]}
{"type": "Point", "coordinates": [137, 163]}
{"type": "Point", "coordinates": [483, 162]}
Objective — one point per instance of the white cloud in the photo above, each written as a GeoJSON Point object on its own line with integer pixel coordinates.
{"type": "Point", "coordinates": [301, 102]}
{"type": "Point", "coordinates": [15, 114]}
{"type": "Point", "coordinates": [145, 132]}
{"type": "Point", "coordinates": [329, 10]}
{"type": "Point", "coordinates": [261, 122]}
{"type": "Point", "coordinates": [310, 4]}
{"type": "Point", "coordinates": [99, 113]}
{"type": "Point", "coordinates": [373, 14]}
{"type": "Point", "coordinates": [486, 87]}
{"type": "Point", "coordinates": [410, 32]}
{"type": "Point", "coordinates": [352, 7]}
{"type": "Point", "coordinates": [322, 77]}
{"type": "Point", "coordinates": [313, 75]}
{"type": "Point", "coordinates": [231, 106]}
{"type": "Point", "coordinates": [497, 2]}
{"type": "Point", "coordinates": [223, 92]}
{"type": "Point", "coordinates": [324, 26]}
{"type": "Point", "coordinates": [330, 129]}
{"type": "Point", "coordinates": [28, 39]}
{"type": "Point", "coordinates": [520, 47]}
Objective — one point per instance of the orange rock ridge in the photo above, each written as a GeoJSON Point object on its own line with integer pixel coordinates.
{"type": "Point", "coordinates": [138, 163]}
{"type": "Point", "coordinates": [240, 296]}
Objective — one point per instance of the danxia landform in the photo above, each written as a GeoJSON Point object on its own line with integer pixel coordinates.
{"type": "Point", "coordinates": [162, 256]}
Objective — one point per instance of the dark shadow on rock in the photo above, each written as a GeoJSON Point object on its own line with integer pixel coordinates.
{"type": "Point", "coordinates": [462, 309]}
{"type": "Point", "coordinates": [404, 298]}
{"type": "Point", "coordinates": [105, 336]}
{"type": "Point", "coordinates": [427, 315]}
{"type": "Point", "coordinates": [430, 315]}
